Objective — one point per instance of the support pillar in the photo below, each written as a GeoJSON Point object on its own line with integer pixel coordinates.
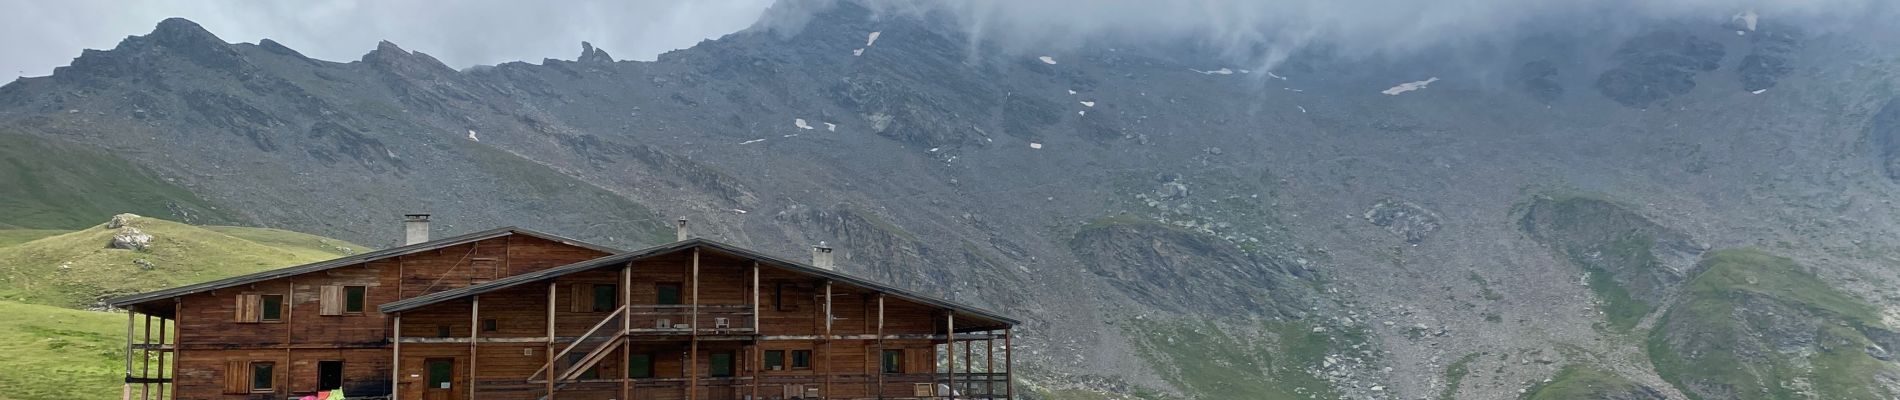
{"type": "Point", "coordinates": [474, 340]}
{"type": "Point", "coordinates": [395, 362]}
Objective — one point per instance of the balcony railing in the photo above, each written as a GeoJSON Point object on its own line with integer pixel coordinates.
{"type": "Point", "coordinates": [672, 319]}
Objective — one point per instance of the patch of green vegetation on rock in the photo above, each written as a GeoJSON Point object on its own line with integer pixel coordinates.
{"type": "Point", "coordinates": [58, 353]}
{"type": "Point", "coordinates": [1586, 383]}
{"type": "Point", "coordinates": [1455, 376]}
{"type": "Point", "coordinates": [1207, 361]}
{"type": "Point", "coordinates": [1621, 251]}
{"type": "Point", "coordinates": [76, 269]}
{"type": "Point", "coordinates": [54, 185]}
{"type": "Point", "coordinates": [1758, 326]}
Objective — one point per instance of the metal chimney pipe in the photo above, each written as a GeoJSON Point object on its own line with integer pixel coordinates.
{"type": "Point", "coordinates": [415, 228]}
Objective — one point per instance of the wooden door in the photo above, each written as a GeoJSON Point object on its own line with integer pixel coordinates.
{"type": "Point", "coordinates": [439, 379]}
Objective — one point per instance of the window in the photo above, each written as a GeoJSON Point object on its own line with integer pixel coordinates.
{"type": "Point", "coordinates": [490, 325]}
{"type": "Point", "coordinates": [329, 375]}
{"type": "Point", "coordinates": [273, 308]}
{"type": "Point", "coordinates": [353, 297]}
{"type": "Point", "coordinates": [667, 293]}
{"type": "Point", "coordinates": [721, 365]}
{"type": "Point", "coordinates": [339, 300]}
{"type": "Point", "coordinates": [893, 361]}
{"type": "Point", "coordinates": [801, 359]}
{"type": "Point", "coordinates": [774, 360]}
{"type": "Point", "coordinates": [640, 366]}
{"type": "Point", "coordinates": [604, 297]}
{"type": "Point", "coordinates": [442, 331]}
{"type": "Point", "coordinates": [261, 374]}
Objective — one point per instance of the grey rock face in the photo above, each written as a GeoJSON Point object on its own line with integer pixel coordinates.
{"type": "Point", "coordinates": [1658, 66]}
{"type": "Point", "coordinates": [1406, 219]}
{"type": "Point", "coordinates": [130, 238]}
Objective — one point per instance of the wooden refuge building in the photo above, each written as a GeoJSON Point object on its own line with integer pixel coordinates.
{"type": "Point", "coordinates": [515, 314]}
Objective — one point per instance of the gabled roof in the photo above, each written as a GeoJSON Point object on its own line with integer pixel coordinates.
{"type": "Point", "coordinates": [617, 259]}
{"type": "Point", "coordinates": [347, 261]}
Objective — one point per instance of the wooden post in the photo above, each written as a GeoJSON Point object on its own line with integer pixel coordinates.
{"type": "Point", "coordinates": [145, 359]}
{"type": "Point", "coordinates": [880, 346]}
{"type": "Point", "coordinates": [161, 355]}
{"type": "Point", "coordinates": [550, 351]}
{"type": "Point", "coordinates": [692, 357]}
{"type": "Point", "coordinates": [474, 339]}
{"type": "Point", "coordinates": [127, 395]}
{"type": "Point", "coordinates": [758, 352]}
{"type": "Point", "coordinates": [1009, 365]}
{"type": "Point", "coordinates": [825, 357]}
{"type": "Point", "coordinates": [950, 349]}
{"type": "Point", "coordinates": [395, 362]}
{"type": "Point", "coordinates": [626, 324]}
{"type": "Point", "coordinates": [989, 365]}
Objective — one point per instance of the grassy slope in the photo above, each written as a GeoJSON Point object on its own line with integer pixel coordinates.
{"type": "Point", "coordinates": [32, 272]}
{"type": "Point", "coordinates": [1576, 382]}
{"type": "Point", "coordinates": [49, 352]}
{"type": "Point", "coordinates": [53, 185]}
{"type": "Point", "coordinates": [58, 353]}
{"type": "Point", "coordinates": [1839, 369]}
{"type": "Point", "coordinates": [1210, 364]}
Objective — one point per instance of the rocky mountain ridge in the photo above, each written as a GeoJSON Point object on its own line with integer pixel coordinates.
{"type": "Point", "coordinates": [1148, 213]}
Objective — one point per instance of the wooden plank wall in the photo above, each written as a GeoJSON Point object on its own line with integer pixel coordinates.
{"type": "Point", "coordinates": [209, 338]}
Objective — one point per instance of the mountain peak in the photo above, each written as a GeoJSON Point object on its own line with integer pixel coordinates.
{"type": "Point", "coordinates": [389, 56]}
{"type": "Point", "coordinates": [177, 31]}
{"type": "Point", "coordinates": [589, 54]}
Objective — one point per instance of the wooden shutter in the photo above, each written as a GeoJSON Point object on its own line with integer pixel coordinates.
{"type": "Point", "coordinates": [249, 307]}
{"type": "Point", "coordinates": [580, 297]}
{"type": "Point", "coordinates": [237, 377]}
{"type": "Point", "coordinates": [330, 300]}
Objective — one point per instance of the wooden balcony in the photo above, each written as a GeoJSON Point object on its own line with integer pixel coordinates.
{"type": "Point", "coordinates": [662, 320]}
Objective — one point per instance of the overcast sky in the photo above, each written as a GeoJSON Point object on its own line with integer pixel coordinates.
{"type": "Point", "coordinates": [36, 36]}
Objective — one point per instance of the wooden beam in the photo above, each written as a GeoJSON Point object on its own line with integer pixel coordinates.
{"type": "Point", "coordinates": [395, 364]}
{"type": "Point", "coordinates": [168, 370]}
{"type": "Point", "coordinates": [692, 355]}
{"type": "Point", "coordinates": [758, 352]}
{"type": "Point", "coordinates": [989, 366]}
{"type": "Point", "coordinates": [550, 350]}
{"type": "Point", "coordinates": [879, 393]}
{"type": "Point", "coordinates": [950, 349]}
{"type": "Point", "coordinates": [826, 355]}
{"type": "Point", "coordinates": [145, 360]}
{"type": "Point", "coordinates": [1009, 366]}
{"type": "Point", "coordinates": [626, 322]}
{"type": "Point", "coordinates": [129, 319]}
{"type": "Point", "coordinates": [474, 339]}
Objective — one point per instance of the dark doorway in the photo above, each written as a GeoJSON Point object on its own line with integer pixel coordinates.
{"type": "Point", "coordinates": [329, 375]}
{"type": "Point", "coordinates": [441, 374]}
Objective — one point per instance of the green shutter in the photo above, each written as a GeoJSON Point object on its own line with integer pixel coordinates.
{"type": "Point", "coordinates": [669, 293]}
{"type": "Point", "coordinates": [640, 366]}
{"type": "Point", "coordinates": [721, 365]}
{"type": "Point", "coordinates": [604, 297]}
